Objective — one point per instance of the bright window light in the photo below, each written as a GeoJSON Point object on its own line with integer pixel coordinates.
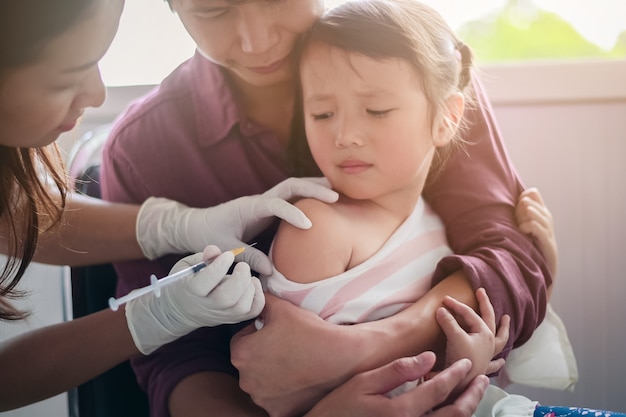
{"type": "Point", "coordinates": [151, 41]}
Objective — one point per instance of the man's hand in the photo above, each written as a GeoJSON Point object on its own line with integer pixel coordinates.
{"type": "Point", "coordinates": [364, 394]}
{"type": "Point", "coordinates": [295, 359]}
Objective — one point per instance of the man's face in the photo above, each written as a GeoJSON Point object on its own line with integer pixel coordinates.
{"type": "Point", "coordinates": [255, 39]}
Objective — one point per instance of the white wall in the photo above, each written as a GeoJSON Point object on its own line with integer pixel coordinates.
{"type": "Point", "coordinates": [45, 299]}
{"type": "Point", "coordinates": [565, 129]}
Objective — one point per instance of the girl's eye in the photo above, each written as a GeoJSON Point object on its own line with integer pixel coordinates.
{"type": "Point", "coordinates": [379, 113]}
{"type": "Point", "coordinates": [322, 116]}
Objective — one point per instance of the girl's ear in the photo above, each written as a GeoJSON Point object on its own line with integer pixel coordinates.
{"type": "Point", "coordinates": [448, 123]}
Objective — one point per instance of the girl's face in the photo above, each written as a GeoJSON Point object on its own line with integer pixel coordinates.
{"type": "Point", "coordinates": [253, 40]}
{"type": "Point", "coordinates": [367, 122]}
{"type": "Point", "coordinates": [40, 101]}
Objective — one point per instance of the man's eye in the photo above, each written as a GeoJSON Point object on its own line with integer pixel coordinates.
{"type": "Point", "coordinates": [63, 87]}
{"type": "Point", "coordinates": [378, 113]}
{"type": "Point", "coordinates": [322, 116]}
{"type": "Point", "coordinates": [213, 13]}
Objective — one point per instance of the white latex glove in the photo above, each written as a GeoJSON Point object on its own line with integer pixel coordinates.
{"type": "Point", "coordinates": [165, 226]}
{"type": "Point", "coordinates": [207, 298]}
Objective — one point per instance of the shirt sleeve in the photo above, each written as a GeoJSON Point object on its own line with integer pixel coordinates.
{"type": "Point", "coordinates": [475, 194]}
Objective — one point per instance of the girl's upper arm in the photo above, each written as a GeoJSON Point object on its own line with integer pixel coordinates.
{"type": "Point", "coordinates": [312, 254]}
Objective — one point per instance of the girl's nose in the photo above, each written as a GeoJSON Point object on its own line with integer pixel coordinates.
{"type": "Point", "coordinates": [348, 134]}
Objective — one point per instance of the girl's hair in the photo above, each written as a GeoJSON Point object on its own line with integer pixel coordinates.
{"type": "Point", "coordinates": [405, 29]}
{"type": "Point", "coordinates": [28, 204]}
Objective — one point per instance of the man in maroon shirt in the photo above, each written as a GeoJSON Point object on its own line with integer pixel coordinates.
{"type": "Point", "coordinates": [218, 129]}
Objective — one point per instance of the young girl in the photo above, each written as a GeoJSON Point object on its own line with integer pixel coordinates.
{"type": "Point", "coordinates": [383, 85]}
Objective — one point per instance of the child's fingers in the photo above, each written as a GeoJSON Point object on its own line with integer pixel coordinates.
{"type": "Point", "coordinates": [470, 318]}
{"type": "Point", "coordinates": [502, 335]}
{"type": "Point", "coordinates": [494, 366]}
{"type": "Point", "coordinates": [486, 309]}
{"type": "Point", "coordinates": [448, 324]}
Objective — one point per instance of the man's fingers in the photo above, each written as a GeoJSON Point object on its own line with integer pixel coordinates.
{"type": "Point", "coordinates": [435, 391]}
{"type": "Point", "coordinates": [465, 405]}
{"type": "Point", "coordinates": [533, 193]}
{"type": "Point", "coordinates": [396, 373]}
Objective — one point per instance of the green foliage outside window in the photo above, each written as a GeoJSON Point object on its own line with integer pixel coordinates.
{"type": "Point", "coordinates": [516, 33]}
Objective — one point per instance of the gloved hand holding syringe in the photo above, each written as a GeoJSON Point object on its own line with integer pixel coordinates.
{"type": "Point", "coordinates": [156, 284]}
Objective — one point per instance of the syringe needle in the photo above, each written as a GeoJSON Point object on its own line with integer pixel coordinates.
{"type": "Point", "coordinates": [156, 284]}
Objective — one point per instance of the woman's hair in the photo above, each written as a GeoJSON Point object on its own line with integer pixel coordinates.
{"type": "Point", "coordinates": [29, 178]}
{"type": "Point", "coordinates": [405, 29]}
{"type": "Point", "coordinates": [26, 27]}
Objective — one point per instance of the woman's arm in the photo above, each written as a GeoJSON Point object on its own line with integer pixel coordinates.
{"type": "Point", "coordinates": [92, 231]}
{"type": "Point", "coordinates": [51, 360]}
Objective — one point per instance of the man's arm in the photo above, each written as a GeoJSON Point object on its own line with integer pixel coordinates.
{"type": "Point", "coordinates": [475, 195]}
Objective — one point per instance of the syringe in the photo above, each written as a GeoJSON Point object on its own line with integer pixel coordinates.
{"type": "Point", "coordinates": [156, 284]}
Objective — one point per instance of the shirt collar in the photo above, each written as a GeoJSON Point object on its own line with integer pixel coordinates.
{"type": "Point", "coordinates": [216, 106]}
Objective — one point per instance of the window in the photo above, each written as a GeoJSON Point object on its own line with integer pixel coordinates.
{"type": "Point", "coordinates": [151, 41]}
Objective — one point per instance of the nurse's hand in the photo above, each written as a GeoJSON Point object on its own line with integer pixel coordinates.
{"type": "Point", "coordinates": [208, 298]}
{"type": "Point", "coordinates": [165, 226]}
{"type": "Point", "coordinates": [364, 394]}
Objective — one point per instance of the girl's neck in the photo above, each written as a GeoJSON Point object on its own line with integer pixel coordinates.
{"type": "Point", "coordinates": [270, 106]}
{"type": "Point", "coordinates": [399, 204]}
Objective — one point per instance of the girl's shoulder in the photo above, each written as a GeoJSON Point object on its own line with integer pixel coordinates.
{"type": "Point", "coordinates": [307, 255]}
